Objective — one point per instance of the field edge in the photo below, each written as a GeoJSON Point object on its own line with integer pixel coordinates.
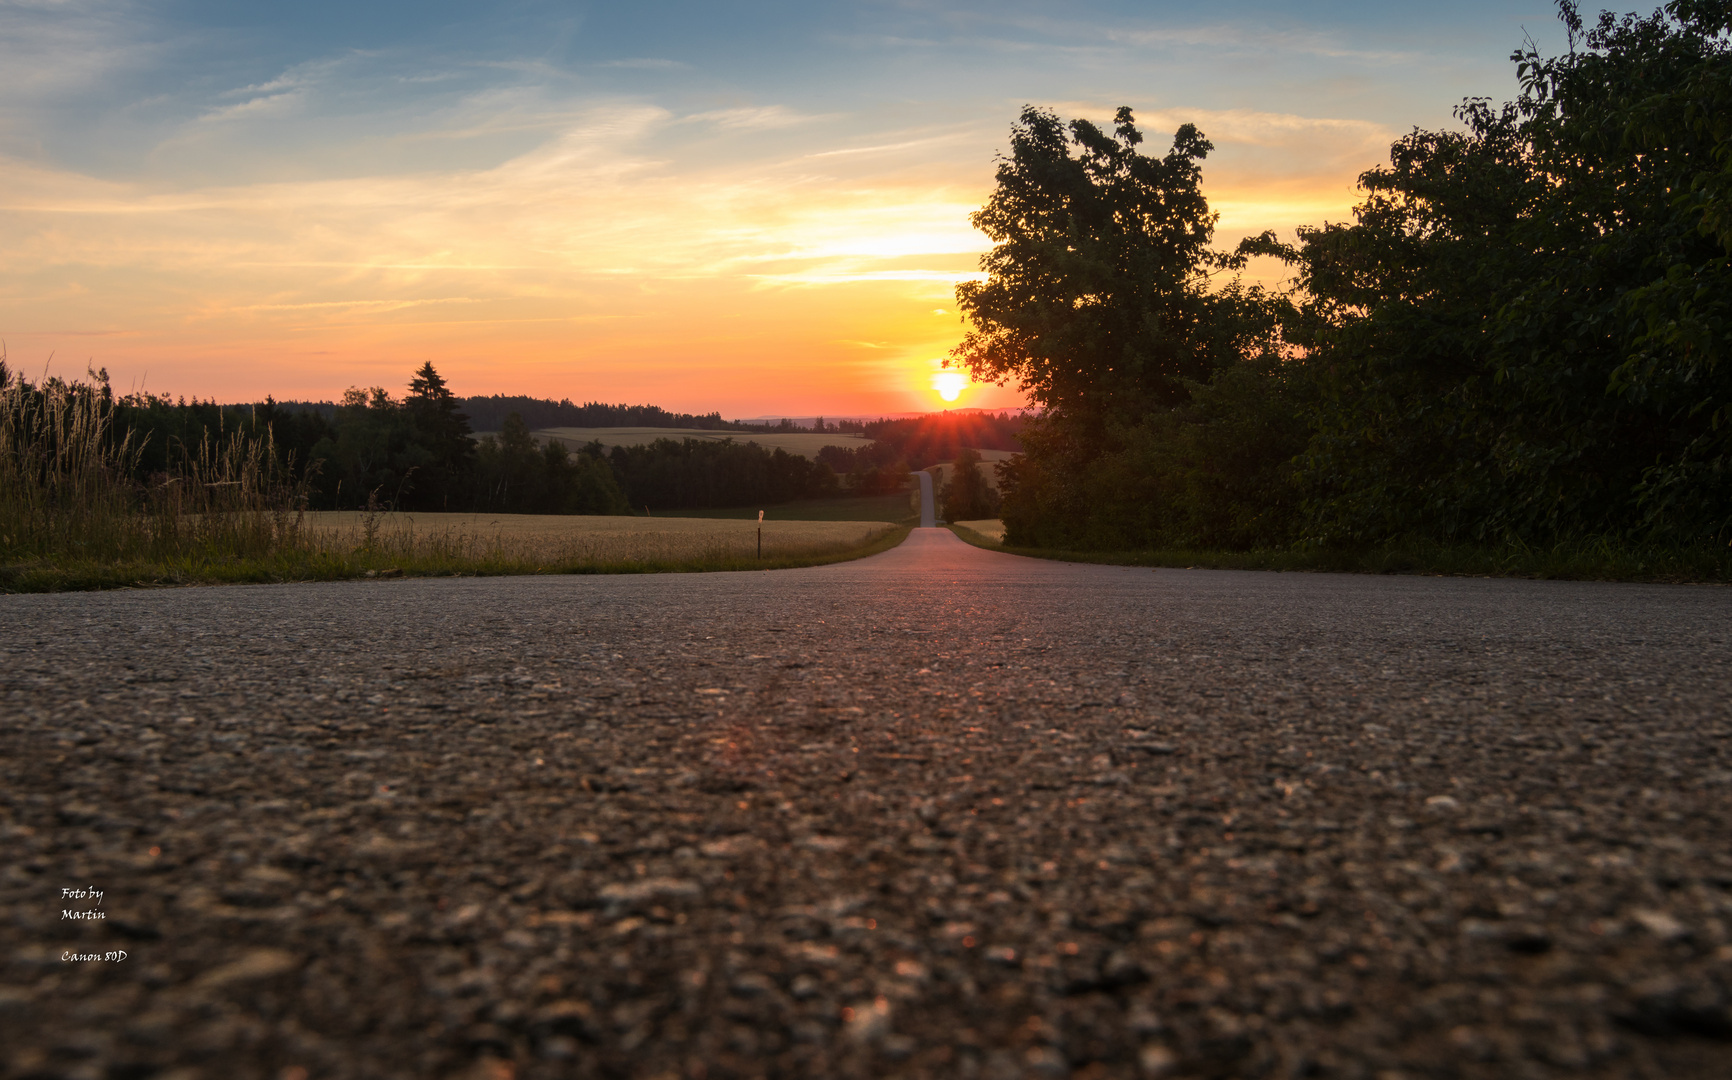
{"type": "Point", "coordinates": [297, 567]}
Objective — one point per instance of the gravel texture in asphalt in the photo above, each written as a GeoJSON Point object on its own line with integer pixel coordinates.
{"type": "Point", "coordinates": [941, 812]}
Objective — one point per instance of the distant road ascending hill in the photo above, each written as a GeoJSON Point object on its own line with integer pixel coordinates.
{"type": "Point", "coordinates": [804, 443]}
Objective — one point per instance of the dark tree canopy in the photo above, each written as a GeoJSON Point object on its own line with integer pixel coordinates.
{"type": "Point", "coordinates": [1100, 304]}
{"type": "Point", "coordinates": [442, 448]}
{"type": "Point", "coordinates": [1522, 337]}
{"type": "Point", "coordinates": [1523, 334]}
{"type": "Point", "coordinates": [1097, 298]}
{"type": "Point", "coordinates": [967, 495]}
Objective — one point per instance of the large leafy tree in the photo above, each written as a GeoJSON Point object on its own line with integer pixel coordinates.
{"type": "Point", "coordinates": [1099, 302]}
{"type": "Point", "coordinates": [1096, 301]}
{"type": "Point", "coordinates": [1665, 93]}
{"type": "Point", "coordinates": [1522, 336]}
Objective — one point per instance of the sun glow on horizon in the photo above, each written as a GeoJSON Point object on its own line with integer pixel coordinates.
{"type": "Point", "coordinates": [950, 384]}
{"type": "Point", "coordinates": [528, 234]}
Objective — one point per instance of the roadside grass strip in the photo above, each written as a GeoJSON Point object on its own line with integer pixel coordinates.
{"type": "Point", "coordinates": [334, 547]}
{"type": "Point", "coordinates": [1604, 559]}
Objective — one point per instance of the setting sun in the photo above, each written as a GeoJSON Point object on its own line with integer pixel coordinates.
{"type": "Point", "coordinates": [950, 384]}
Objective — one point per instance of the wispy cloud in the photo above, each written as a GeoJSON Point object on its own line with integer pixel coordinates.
{"type": "Point", "coordinates": [373, 305]}
{"type": "Point", "coordinates": [277, 96]}
{"type": "Point", "coordinates": [267, 105]}
{"type": "Point", "coordinates": [823, 277]}
{"type": "Point", "coordinates": [54, 50]}
{"type": "Point", "coordinates": [276, 85]}
{"type": "Point", "coordinates": [1249, 38]}
{"type": "Point", "coordinates": [648, 63]}
{"type": "Point", "coordinates": [760, 118]}
{"type": "Point", "coordinates": [888, 148]}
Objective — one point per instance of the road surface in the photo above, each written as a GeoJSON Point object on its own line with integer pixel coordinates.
{"type": "Point", "coordinates": [941, 812]}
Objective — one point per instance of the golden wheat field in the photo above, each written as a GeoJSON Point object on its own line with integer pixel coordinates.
{"type": "Point", "coordinates": [571, 538]}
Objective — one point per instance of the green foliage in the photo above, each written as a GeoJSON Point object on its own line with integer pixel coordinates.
{"type": "Point", "coordinates": [367, 457]}
{"type": "Point", "coordinates": [1592, 559]}
{"type": "Point", "coordinates": [699, 473]}
{"type": "Point", "coordinates": [413, 454]}
{"type": "Point", "coordinates": [1212, 473]}
{"type": "Point", "coordinates": [1522, 336]}
{"type": "Point", "coordinates": [1521, 339]}
{"type": "Point", "coordinates": [321, 562]}
{"type": "Point", "coordinates": [967, 495]}
{"type": "Point", "coordinates": [514, 474]}
{"type": "Point", "coordinates": [880, 479]}
{"type": "Point", "coordinates": [1097, 300]}
{"type": "Point", "coordinates": [1099, 304]}
{"type": "Point", "coordinates": [877, 468]}
{"type": "Point", "coordinates": [439, 450]}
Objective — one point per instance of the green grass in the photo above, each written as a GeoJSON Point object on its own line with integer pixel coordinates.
{"type": "Point", "coordinates": [894, 508]}
{"type": "Point", "coordinates": [1596, 560]}
{"type": "Point", "coordinates": [64, 575]}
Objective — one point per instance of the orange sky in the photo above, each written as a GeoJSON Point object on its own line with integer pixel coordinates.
{"type": "Point", "coordinates": [700, 250]}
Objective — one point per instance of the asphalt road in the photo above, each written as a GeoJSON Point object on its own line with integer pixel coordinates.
{"type": "Point", "coordinates": [937, 813]}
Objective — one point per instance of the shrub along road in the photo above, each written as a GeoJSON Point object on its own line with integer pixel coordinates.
{"type": "Point", "coordinates": [940, 812]}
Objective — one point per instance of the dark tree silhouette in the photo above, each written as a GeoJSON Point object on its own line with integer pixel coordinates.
{"type": "Point", "coordinates": [441, 450]}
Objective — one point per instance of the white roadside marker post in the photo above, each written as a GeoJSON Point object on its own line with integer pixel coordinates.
{"type": "Point", "coordinates": [760, 534]}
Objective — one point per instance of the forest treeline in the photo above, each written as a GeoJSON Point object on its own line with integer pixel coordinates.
{"type": "Point", "coordinates": [898, 446]}
{"type": "Point", "coordinates": [418, 452]}
{"type": "Point", "coordinates": [1520, 338]}
{"type": "Point", "coordinates": [487, 414]}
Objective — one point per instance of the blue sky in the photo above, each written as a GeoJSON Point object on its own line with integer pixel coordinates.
{"type": "Point", "coordinates": [752, 207]}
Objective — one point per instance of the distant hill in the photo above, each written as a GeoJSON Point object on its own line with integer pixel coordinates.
{"type": "Point", "coordinates": [806, 444]}
{"type": "Point", "coordinates": [489, 413]}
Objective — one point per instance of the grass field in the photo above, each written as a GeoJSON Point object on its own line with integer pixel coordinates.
{"type": "Point", "coordinates": [590, 539]}
{"type": "Point", "coordinates": [804, 443]}
{"type": "Point", "coordinates": [1597, 560]}
{"type": "Point", "coordinates": [898, 507]}
{"type": "Point", "coordinates": [337, 546]}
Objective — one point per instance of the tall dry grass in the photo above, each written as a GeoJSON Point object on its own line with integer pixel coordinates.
{"type": "Point", "coordinates": [69, 489]}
